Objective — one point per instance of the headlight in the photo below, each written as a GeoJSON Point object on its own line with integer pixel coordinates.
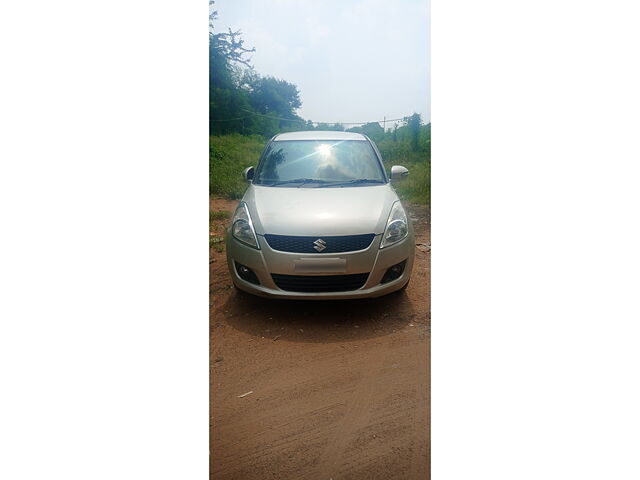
{"type": "Point", "coordinates": [396, 226]}
{"type": "Point", "coordinates": [242, 227]}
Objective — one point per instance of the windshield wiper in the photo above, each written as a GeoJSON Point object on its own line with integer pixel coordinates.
{"type": "Point", "coordinates": [301, 181]}
{"type": "Point", "coordinates": [355, 181]}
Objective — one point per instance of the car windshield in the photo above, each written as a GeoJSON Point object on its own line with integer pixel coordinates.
{"type": "Point", "coordinates": [316, 163]}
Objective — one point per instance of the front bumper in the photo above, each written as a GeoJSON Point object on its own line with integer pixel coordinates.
{"type": "Point", "coordinates": [373, 260]}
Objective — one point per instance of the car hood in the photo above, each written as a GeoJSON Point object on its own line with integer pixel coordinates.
{"type": "Point", "coordinates": [320, 211]}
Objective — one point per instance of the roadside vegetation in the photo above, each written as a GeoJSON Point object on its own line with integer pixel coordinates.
{"type": "Point", "coordinates": [229, 155]}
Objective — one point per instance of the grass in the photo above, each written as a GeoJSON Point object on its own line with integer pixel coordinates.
{"type": "Point", "coordinates": [229, 155]}
{"type": "Point", "coordinates": [416, 188]}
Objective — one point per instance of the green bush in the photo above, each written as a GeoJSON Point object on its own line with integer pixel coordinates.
{"type": "Point", "coordinates": [416, 187]}
{"type": "Point", "coordinates": [229, 155]}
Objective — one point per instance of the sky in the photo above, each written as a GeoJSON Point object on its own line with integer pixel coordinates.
{"type": "Point", "coordinates": [352, 60]}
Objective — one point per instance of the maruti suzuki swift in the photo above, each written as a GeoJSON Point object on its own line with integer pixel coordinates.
{"type": "Point", "coordinates": [320, 220]}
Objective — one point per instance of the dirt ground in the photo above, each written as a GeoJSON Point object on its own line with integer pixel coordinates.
{"type": "Point", "coordinates": [340, 389]}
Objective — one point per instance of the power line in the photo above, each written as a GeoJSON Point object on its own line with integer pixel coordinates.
{"type": "Point", "coordinates": [232, 119]}
{"type": "Point", "coordinates": [277, 118]}
{"type": "Point", "coordinates": [254, 114]}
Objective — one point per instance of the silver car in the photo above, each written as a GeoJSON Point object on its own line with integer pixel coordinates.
{"type": "Point", "coordinates": [320, 220]}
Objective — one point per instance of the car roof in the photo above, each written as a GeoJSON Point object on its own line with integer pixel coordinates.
{"type": "Point", "coordinates": [319, 135]}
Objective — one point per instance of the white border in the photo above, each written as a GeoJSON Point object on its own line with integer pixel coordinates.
{"type": "Point", "coordinates": [103, 257]}
{"type": "Point", "coordinates": [536, 167]}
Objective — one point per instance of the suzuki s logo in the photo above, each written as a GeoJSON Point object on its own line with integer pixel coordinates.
{"type": "Point", "coordinates": [319, 245]}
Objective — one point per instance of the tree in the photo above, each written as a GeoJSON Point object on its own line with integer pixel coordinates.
{"type": "Point", "coordinates": [273, 95]}
{"type": "Point", "coordinates": [413, 124]}
{"type": "Point", "coordinates": [240, 99]}
{"type": "Point", "coordinates": [373, 130]}
{"type": "Point", "coordinates": [230, 45]}
{"type": "Point", "coordinates": [226, 100]}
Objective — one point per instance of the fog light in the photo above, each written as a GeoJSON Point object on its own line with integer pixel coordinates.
{"type": "Point", "coordinates": [247, 274]}
{"type": "Point", "coordinates": [393, 272]}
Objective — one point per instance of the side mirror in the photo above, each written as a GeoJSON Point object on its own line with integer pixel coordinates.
{"type": "Point", "coordinates": [398, 172]}
{"type": "Point", "coordinates": [248, 174]}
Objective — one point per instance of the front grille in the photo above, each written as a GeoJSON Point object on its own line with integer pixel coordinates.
{"type": "Point", "coordinates": [345, 243]}
{"type": "Point", "coordinates": [320, 283]}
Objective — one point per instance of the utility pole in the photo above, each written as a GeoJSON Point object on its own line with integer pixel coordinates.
{"type": "Point", "coordinates": [384, 124]}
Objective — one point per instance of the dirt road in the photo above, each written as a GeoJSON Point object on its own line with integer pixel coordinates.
{"type": "Point", "coordinates": [340, 389]}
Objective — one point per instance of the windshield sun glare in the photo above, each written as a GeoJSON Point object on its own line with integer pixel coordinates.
{"type": "Point", "coordinates": [316, 164]}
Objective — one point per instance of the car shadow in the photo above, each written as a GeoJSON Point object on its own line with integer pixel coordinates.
{"type": "Point", "coordinates": [322, 321]}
